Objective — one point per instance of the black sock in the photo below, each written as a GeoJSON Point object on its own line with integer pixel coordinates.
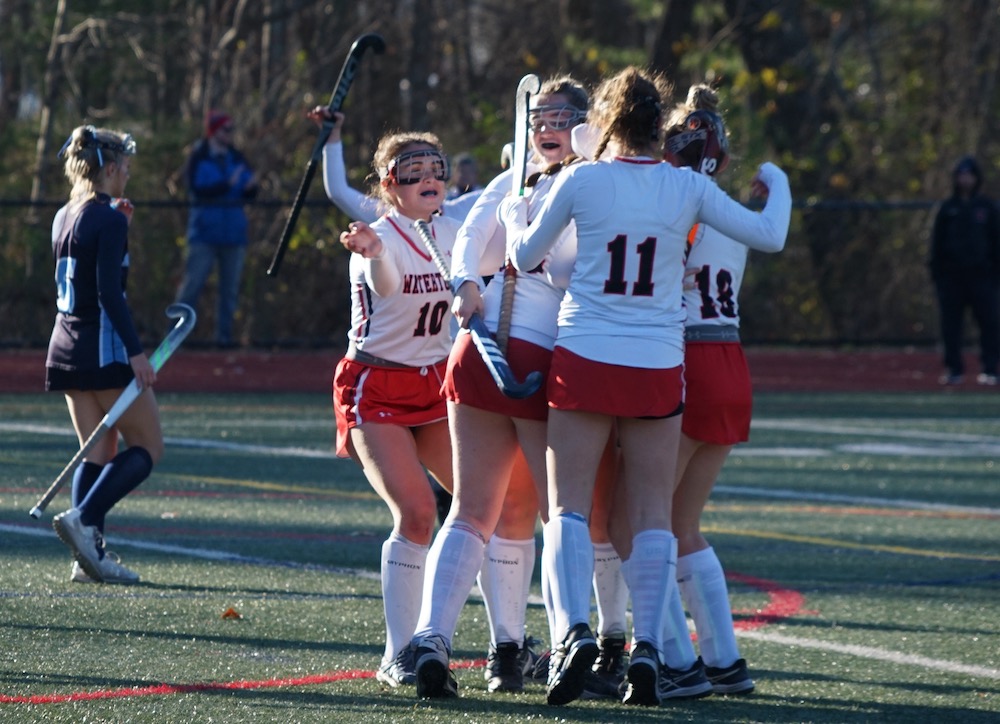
{"type": "Point", "coordinates": [83, 480]}
{"type": "Point", "coordinates": [119, 478]}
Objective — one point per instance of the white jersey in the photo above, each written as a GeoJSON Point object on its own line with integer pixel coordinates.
{"type": "Point", "coordinates": [479, 248]}
{"type": "Point", "coordinates": [715, 266]}
{"type": "Point", "coordinates": [400, 304]}
{"type": "Point", "coordinates": [537, 296]}
{"type": "Point", "coordinates": [624, 302]}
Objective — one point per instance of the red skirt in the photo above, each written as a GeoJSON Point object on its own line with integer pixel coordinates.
{"type": "Point", "coordinates": [468, 381]}
{"type": "Point", "coordinates": [577, 383]}
{"type": "Point", "coordinates": [407, 396]}
{"type": "Point", "coordinates": [719, 400]}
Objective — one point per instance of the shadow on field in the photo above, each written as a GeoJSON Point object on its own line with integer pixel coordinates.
{"type": "Point", "coordinates": [401, 705]}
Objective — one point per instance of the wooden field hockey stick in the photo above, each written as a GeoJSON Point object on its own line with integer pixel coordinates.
{"type": "Point", "coordinates": [186, 318]}
{"type": "Point", "coordinates": [496, 363]}
{"type": "Point", "coordinates": [347, 73]}
{"type": "Point", "coordinates": [529, 85]}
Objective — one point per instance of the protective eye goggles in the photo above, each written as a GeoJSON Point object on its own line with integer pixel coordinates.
{"type": "Point", "coordinates": [127, 146]}
{"type": "Point", "coordinates": [554, 118]}
{"type": "Point", "coordinates": [414, 166]}
{"type": "Point", "coordinates": [678, 143]}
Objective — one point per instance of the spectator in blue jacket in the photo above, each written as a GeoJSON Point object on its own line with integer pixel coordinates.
{"type": "Point", "coordinates": [219, 180]}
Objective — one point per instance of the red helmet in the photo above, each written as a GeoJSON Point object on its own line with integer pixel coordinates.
{"type": "Point", "coordinates": [702, 144]}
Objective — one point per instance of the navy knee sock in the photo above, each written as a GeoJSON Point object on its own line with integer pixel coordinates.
{"type": "Point", "coordinates": [119, 478]}
{"type": "Point", "coordinates": [83, 480]}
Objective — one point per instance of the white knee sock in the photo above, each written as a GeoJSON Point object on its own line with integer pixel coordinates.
{"type": "Point", "coordinates": [453, 562]}
{"type": "Point", "coordinates": [505, 580]}
{"type": "Point", "coordinates": [703, 587]}
{"type": "Point", "coordinates": [610, 591]}
{"type": "Point", "coordinates": [678, 651]}
{"type": "Point", "coordinates": [568, 556]}
{"type": "Point", "coordinates": [550, 613]}
{"type": "Point", "coordinates": [627, 575]}
{"type": "Point", "coordinates": [403, 565]}
{"type": "Point", "coordinates": [651, 571]}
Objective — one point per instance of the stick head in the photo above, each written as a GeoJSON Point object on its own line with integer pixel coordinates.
{"type": "Point", "coordinates": [530, 386]}
{"type": "Point", "coordinates": [374, 41]}
{"type": "Point", "coordinates": [527, 87]}
{"type": "Point", "coordinates": [185, 315]}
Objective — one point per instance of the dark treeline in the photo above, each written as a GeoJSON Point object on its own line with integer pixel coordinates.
{"type": "Point", "coordinates": [866, 104]}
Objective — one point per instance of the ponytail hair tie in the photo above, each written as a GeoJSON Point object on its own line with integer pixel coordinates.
{"type": "Point", "coordinates": [89, 139]}
{"type": "Point", "coordinates": [650, 101]}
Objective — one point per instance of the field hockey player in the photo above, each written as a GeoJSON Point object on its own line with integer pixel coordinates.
{"type": "Point", "coordinates": [618, 360]}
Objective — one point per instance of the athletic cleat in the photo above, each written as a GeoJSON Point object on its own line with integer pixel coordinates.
{"type": "Point", "coordinates": [79, 575]}
{"type": "Point", "coordinates": [84, 540]}
{"type": "Point", "coordinates": [570, 662]}
{"type": "Point", "coordinates": [734, 679]}
{"type": "Point", "coordinates": [112, 570]}
{"type": "Point", "coordinates": [690, 683]}
{"type": "Point", "coordinates": [540, 671]}
{"type": "Point", "coordinates": [532, 657]}
{"type": "Point", "coordinates": [642, 680]}
{"type": "Point", "coordinates": [399, 671]}
{"type": "Point", "coordinates": [951, 380]}
{"type": "Point", "coordinates": [986, 379]}
{"type": "Point", "coordinates": [605, 677]}
{"type": "Point", "coordinates": [433, 675]}
{"type": "Point", "coordinates": [505, 667]}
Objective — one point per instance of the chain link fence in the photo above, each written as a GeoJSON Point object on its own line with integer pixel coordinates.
{"type": "Point", "coordinates": [852, 273]}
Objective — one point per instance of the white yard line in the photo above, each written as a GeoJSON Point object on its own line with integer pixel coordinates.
{"type": "Point", "coordinates": [202, 553]}
{"type": "Point", "coordinates": [877, 429]}
{"type": "Point", "coordinates": [853, 500]}
{"type": "Point", "coordinates": [871, 652]}
{"type": "Point", "coordinates": [271, 450]}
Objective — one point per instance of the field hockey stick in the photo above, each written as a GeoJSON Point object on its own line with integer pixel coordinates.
{"type": "Point", "coordinates": [186, 318]}
{"type": "Point", "coordinates": [347, 73]}
{"type": "Point", "coordinates": [529, 85]}
{"type": "Point", "coordinates": [496, 363]}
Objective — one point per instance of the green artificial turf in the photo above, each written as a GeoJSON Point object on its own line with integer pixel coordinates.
{"type": "Point", "coordinates": [861, 534]}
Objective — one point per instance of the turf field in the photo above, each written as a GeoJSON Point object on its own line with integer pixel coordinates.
{"type": "Point", "coordinates": [861, 534]}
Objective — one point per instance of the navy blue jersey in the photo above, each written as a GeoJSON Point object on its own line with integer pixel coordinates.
{"type": "Point", "coordinates": [93, 327]}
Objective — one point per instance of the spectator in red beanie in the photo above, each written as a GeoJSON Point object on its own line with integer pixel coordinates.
{"type": "Point", "coordinates": [219, 181]}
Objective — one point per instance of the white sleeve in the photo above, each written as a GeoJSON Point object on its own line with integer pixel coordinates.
{"type": "Point", "coordinates": [528, 249]}
{"type": "Point", "coordinates": [764, 231]}
{"type": "Point", "coordinates": [479, 248]}
{"type": "Point", "coordinates": [352, 202]}
{"type": "Point", "coordinates": [559, 267]}
{"type": "Point", "coordinates": [459, 207]}
{"type": "Point", "coordinates": [383, 272]}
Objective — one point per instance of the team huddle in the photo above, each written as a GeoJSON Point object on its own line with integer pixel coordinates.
{"type": "Point", "coordinates": [614, 264]}
{"type": "Point", "coordinates": [626, 272]}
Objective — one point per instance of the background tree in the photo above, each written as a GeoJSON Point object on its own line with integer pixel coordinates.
{"type": "Point", "coordinates": [866, 104]}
